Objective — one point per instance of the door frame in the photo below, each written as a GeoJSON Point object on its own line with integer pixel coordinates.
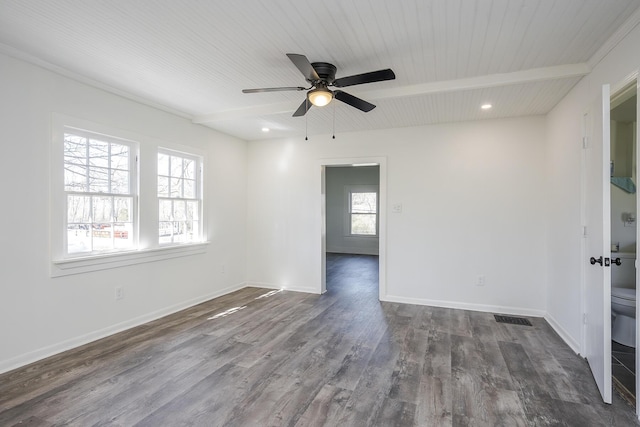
{"type": "Point", "coordinates": [382, 217]}
{"type": "Point", "coordinates": [614, 90]}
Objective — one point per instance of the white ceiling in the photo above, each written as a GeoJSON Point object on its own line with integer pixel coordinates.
{"type": "Point", "coordinates": [194, 57]}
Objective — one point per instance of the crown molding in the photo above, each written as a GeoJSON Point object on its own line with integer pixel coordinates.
{"type": "Point", "coordinates": [616, 37]}
{"type": "Point", "coordinates": [26, 57]}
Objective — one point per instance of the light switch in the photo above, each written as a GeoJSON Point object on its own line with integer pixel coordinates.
{"type": "Point", "coordinates": [396, 208]}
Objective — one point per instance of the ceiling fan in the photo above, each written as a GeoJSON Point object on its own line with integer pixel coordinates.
{"type": "Point", "coordinates": [321, 76]}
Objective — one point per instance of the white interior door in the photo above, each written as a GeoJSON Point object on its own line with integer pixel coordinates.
{"type": "Point", "coordinates": [598, 244]}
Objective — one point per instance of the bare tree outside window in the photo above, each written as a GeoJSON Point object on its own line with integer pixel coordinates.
{"type": "Point", "coordinates": [97, 183]}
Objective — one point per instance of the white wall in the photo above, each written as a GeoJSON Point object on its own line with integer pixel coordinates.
{"type": "Point", "coordinates": [564, 302]}
{"type": "Point", "coordinates": [473, 197]}
{"type": "Point", "coordinates": [337, 206]}
{"type": "Point", "coordinates": [40, 315]}
{"type": "Point", "coordinates": [622, 203]}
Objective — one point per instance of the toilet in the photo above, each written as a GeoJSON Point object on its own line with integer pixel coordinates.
{"type": "Point", "coordinates": [623, 299]}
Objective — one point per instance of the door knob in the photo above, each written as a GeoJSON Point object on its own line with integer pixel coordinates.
{"type": "Point", "coordinates": [616, 261]}
{"type": "Point", "coordinates": [593, 261]}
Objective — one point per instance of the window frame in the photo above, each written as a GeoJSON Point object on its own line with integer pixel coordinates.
{"type": "Point", "coordinates": [349, 190]}
{"type": "Point", "coordinates": [147, 250]}
{"type": "Point", "coordinates": [132, 194]}
{"type": "Point", "coordinates": [198, 194]}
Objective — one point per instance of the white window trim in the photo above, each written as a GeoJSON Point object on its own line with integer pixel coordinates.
{"type": "Point", "coordinates": [148, 249]}
{"type": "Point", "coordinates": [87, 264]}
{"type": "Point", "coordinates": [348, 189]}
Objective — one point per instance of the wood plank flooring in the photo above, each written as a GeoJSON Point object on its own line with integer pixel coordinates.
{"type": "Point", "coordinates": [294, 359]}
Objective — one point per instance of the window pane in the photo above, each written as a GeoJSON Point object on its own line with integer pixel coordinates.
{"type": "Point", "coordinates": [102, 209]}
{"type": "Point", "coordinates": [119, 157]}
{"type": "Point", "coordinates": [176, 187]}
{"type": "Point", "coordinates": [165, 210]}
{"type": "Point", "coordinates": [176, 167]}
{"type": "Point", "coordinates": [163, 186]}
{"type": "Point", "coordinates": [363, 202]}
{"type": "Point", "coordinates": [180, 232]}
{"type": "Point", "coordinates": [75, 149]}
{"type": "Point", "coordinates": [98, 153]}
{"type": "Point", "coordinates": [189, 170]}
{"type": "Point", "coordinates": [78, 209]}
{"type": "Point", "coordinates": [122, 209]}
{"type": "Point", "coordinates": [123, 235]}
{"type": "Point", "coordinates": [78, 238]}
{"type": "Point", "coordinates": [120, 182]}
{"type": "Point", "coordinates": [189, 189]}
{"type": "Point", "coordinates": [193, 210]}
{"type": "Point", "coordinates": [163, 164]}
{"type": "Point", "coordinates": [102, 239]}
{"type": "Point", "coordinates": [179, 211]}
{"type": "Point", "coordinates": [75, 177]}
{"type": "Point", "coordinates": [363, 224]}
{"type": "Point", "coordinates": [98, 180]}
{"type": "Point", "coordinates": [166, 231]}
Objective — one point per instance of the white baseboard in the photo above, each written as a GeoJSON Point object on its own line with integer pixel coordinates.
{"type": "Point", "coordinates": [294, 288]}
{"type": "Point", "coordinates": [42, 353]}
{"type": "Point", "coordinates": [566, 337]}
{"type": "Point", "coordinates": [519, 311]}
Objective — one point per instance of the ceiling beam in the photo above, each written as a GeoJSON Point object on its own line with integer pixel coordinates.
{"type": "Point", "coordinates": [471, 83]}
{"type": "Point", "coordinates": [483, 82]}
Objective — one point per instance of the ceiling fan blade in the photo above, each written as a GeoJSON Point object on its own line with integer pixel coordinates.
{"type": "Point", "coordinates": [354, 101]}
{"type": "Point", "coordinates": [272, 89]}
{"type": "Point", "coordinates": [304, 66]}
{"type": "Point", "coordinates": [303, 108]}
{"type": "Point", "coordinates": [358, 79]}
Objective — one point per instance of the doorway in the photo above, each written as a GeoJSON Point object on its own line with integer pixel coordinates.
{"type": "Point", "coordinates": [351, 230]}
{"type": "Point", "coordinates": [623, 204]}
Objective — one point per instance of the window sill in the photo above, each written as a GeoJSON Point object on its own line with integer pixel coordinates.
{"type": "Point", "coordinates": [66, 267]}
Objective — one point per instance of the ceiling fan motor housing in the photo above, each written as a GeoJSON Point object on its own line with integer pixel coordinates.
{"type": "Point", "coordinates": [326, 71]}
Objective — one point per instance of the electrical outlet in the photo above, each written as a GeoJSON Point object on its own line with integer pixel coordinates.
{"type": "Point", "coordinates": [119, 292]}
{"type": "Point", "coordinates": [480, 280]}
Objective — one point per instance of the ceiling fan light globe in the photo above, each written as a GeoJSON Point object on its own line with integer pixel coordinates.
{"type": "Point", "coordinates": [320, 97]}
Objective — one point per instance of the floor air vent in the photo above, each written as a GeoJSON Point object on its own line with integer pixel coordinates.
{"type": "Point", "coordinates": [512, 320]}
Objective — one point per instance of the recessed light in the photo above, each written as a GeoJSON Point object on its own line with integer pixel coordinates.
{"type": "Point", "coordinates": [486, 106]}
{"type": "Point", "coordinates": [265, 129]}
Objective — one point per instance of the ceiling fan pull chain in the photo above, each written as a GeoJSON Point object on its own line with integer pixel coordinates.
{"type": "Point", "coordinates": [334, 121]}
{"type": "Point", "coordinates": [306, 127]}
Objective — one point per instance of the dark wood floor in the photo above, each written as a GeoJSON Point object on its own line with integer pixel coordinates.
{"type": "Point", "coordinates": [287, 358]}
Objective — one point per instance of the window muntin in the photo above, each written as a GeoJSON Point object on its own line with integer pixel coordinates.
{"type": "Point", "coordinates": [98, 178]}
{"type": "Point", "coordinates": [179, 198]}
{"type": "Point", "coordinates": [363, 213]}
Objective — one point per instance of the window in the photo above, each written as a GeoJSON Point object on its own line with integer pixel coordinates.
{"type": "Point", "coordinates": [179, 197]}
{"type": "Point", "coordinates": [363, 213]}
{"type": "Point", "coordinates": [99, 178]}
{"type": "Point", "coordinates": [104, 185]}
